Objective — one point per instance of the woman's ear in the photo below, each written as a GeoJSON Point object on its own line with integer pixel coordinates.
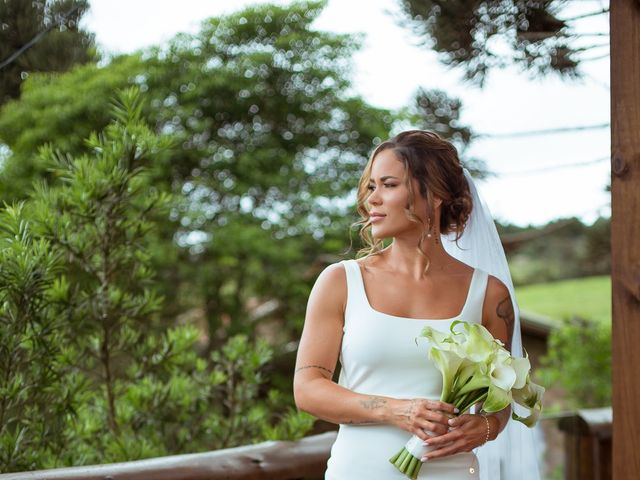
{"type": "Point", "coordinates": [437, 201]}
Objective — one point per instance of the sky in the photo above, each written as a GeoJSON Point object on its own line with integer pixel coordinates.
{"type": "Point", "coordinates": [390, 67]}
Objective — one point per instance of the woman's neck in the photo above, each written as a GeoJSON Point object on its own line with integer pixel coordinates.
{"type": "Point", "coordinates": [405, 257]}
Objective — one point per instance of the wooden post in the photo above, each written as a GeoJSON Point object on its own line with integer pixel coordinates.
{"type": "Point", "coordinates": [625, 235]}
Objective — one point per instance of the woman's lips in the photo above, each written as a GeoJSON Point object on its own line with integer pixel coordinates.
{"type": "Point", "coordinates": [377, 218]}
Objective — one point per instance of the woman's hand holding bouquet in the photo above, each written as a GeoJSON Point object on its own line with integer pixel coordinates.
{"type": "Point", "coordinates": [475, 368]}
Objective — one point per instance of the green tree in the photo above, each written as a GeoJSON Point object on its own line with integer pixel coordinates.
{"type": "Point", "coordinates": [99, 217]}
{"type": "Point", "coordinates": [271, 143]}
{"type": "Point", "coordinates": [145, 390]}
{"type": "Point", "coordinates": [436, 111]}
{"type": "Point", "coordinates": [40, 36]}
{"type": "Point", "coordinates": [35, 379]}
{"type": "Point", "coordinates": [271, 146]}
{"type": "Point", "coordinates": [478, 35]}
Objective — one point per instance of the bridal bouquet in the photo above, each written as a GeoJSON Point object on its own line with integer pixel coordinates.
{"type": "Point", "coordinates": [475, 368]}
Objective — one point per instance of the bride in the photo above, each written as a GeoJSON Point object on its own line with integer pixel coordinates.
{"type": "Point", "coordinates": [444, 263]}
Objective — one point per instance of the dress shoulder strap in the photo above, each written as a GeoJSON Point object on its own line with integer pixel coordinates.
{"type": "Point", "coordinates": [355, 287]}
{"type": "Point", "coordinates": [475, 300]}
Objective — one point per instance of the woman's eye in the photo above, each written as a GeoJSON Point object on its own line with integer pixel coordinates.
{"type": "Point", "coordinates": [371, 187]}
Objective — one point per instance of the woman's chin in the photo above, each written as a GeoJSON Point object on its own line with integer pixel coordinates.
{"type": "Point", "coordinates": [380, 233]}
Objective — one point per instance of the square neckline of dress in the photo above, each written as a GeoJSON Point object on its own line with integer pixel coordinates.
{"type": "Point", "coordinates": [383, 314]}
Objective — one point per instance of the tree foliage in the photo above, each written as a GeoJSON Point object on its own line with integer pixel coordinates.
{"type": "Point", "coordinates": [478, 35]}
{"type": "Point", "coordinates": [436, 111]}
{"type": "Point", "coordinates": [36, 381]}
{"type": "Point", "coordinates": [579, 362]}
{"type": "Point", "coordinates": [58, 41]}
{"type": "Point", "coordinates": [89, 375]}
{"type": "Point", "coordinates": [270, 144]}
{"type": "Point", "coordinates": [571, 251]}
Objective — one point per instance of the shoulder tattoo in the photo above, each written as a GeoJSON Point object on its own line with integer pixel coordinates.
{"type": "Point", "coordinates": [504, 310]}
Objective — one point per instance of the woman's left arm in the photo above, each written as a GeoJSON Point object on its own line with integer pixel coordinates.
{"type": "Point", "coordinates": [469, 431]}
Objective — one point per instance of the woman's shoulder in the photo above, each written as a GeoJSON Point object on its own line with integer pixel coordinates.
{"type": "Point", "coordinates": [497, 311]}
{"type": "Point", "coordinates": [496, 289]}
{"type": "Point", "coordinates": [330, 288]}
{"type": "Point", "coordinates": [333, 277]}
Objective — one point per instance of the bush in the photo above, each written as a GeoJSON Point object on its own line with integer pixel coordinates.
{"type": "Point", "coordinates": [579, 361]}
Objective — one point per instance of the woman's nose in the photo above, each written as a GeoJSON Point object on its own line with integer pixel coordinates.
{"type": "Point", "coordinates": [373, 197]}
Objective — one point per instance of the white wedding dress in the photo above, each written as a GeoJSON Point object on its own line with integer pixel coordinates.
{"type": "Point", "coordinates": [380, 356]}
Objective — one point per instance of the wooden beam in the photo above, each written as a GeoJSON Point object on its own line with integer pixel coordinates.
{"type": "Point", "coordinates": [304, 459]}
{"type": "Point", "coordinates": [625, 235]}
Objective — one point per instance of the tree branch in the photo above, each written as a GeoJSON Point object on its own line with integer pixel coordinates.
{"type": "Point", "coordinates": [586, 15]}
{"type": "Point", "coordinates": [37, 38]}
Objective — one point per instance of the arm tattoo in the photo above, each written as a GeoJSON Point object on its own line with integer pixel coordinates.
{"type": "Point", "coordinates": [370, 403]}
{"type": "Point", "coordinates": [373, 402]}
{"type": "Point", "coordinates": [316, 366]}
{"type": "Point", "coordinates": [505, 312]}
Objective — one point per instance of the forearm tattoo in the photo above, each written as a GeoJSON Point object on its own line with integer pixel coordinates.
{"type": "Point", "coordinates": [325, 371]}
{"type": "Point", "coordinates": [506, 313]}
{"type": "Point", "coordinates": [371, 403]}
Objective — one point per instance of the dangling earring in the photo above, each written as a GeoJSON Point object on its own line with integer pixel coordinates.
{"type": "Point", "coordinates": [430, 231]}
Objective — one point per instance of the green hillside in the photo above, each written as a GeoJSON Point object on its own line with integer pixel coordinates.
{"type": "Point", "coordinates": [587, 297]}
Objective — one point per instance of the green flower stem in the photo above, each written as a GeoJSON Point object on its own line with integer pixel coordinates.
{"type": "Point", "coordinates": [414, 468]}
{"type": "Point", "coordinates": [405, 463]}
{"type": "Point", "coordinates": [400, 457]}
{"type": "Point", "coordinates": [479, 397]}
{"type": "Point", "coordinates": [461, 401]}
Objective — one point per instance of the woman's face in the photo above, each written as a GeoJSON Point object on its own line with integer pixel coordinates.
{"type": "Point", "coordinates": [388, 196]}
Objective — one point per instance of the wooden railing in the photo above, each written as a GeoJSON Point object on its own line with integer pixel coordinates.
{"type": "Point", "coordinates": [587, 447]}
{"type": "Point", "coordinates": [305, 459]}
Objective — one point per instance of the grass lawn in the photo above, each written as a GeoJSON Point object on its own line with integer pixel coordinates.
{"type": "Point", "coordinates": [587, 297]}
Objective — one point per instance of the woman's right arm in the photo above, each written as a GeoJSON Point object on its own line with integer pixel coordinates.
{"type": "Point", "coordinates": [318, 352]}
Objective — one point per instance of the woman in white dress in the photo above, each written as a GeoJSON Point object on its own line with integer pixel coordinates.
{"type": "Point", "coordinates": [368, 312]}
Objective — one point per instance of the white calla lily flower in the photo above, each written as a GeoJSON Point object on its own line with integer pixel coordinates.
{"type": "Point", "coordinates": [476, 368]}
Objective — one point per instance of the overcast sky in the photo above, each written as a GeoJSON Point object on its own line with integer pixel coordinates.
{"type": "Point", "coordinates": [390, 67]}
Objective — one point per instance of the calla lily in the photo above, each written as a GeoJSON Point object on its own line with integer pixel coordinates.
{"type": "Point", "coordinates": [436, 337]}
{"type": "Point", "coordinates": [476, 368]}
{"type": "Point", "coordinates": [530, 397]}
{"type": "Point", "coordinates": [472, 377]}
{"type": "Point", "coordinates": [497, 399]}
{"type": "Point", "coordinates": [476, 382]}
{"type": "Point", "coordinates": [478, 344]}
{"type": "Point", "coordinates": [441, 340]}
{"type": "Point", "coordinates": [448, 363]}
{"type": "Point", "coordinates": [521, 366]}
{"type": "Point", "coordinates": [502, 373]}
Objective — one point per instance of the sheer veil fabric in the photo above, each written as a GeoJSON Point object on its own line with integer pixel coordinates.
{"type": "Point", "coordinates": [514, 454]}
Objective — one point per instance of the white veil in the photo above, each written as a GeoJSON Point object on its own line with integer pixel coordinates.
{"type": "Point", "coordinates": [513, 455]}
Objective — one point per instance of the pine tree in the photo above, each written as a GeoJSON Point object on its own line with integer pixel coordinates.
{"type": "Point", "coordinates": [477, 35]}
{"type": "Point", "coordinates": [40, 36]}
{"type": "Point", "coordinates": [37, 389]}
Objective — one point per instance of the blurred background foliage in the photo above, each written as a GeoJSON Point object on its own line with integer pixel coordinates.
{"type": "Point", "coordinates": [158, 250]}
